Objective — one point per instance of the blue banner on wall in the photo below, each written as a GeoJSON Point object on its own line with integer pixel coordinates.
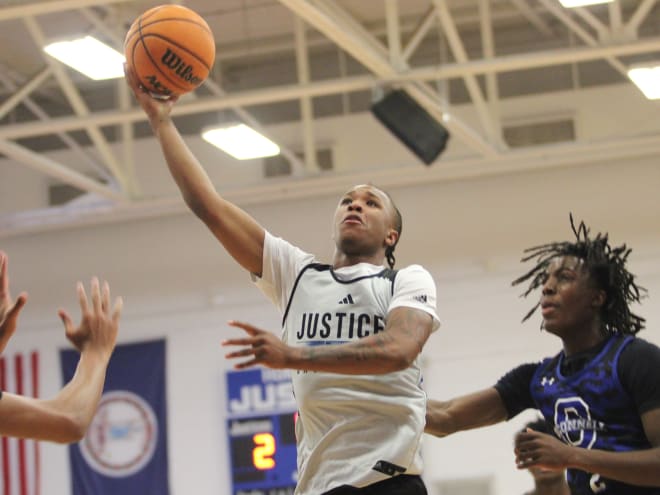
{"type": "Point", "coordinates": [125, 449]}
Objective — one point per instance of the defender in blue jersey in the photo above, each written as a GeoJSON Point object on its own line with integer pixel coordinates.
{"type": "Point", "coordinates": [600, 395]}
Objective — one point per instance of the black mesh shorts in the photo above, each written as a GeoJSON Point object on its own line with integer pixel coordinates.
{"type": "Point", "coordinates": [404, 484]}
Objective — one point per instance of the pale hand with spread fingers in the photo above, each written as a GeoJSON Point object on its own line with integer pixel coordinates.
{"type": "Point", "coordinates": [9, 310]}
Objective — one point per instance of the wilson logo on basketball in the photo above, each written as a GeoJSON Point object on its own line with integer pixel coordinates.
{"type": "Point", "coordinates": [185, 71]}
{"type": "Point", "coordinates": [158, 87]}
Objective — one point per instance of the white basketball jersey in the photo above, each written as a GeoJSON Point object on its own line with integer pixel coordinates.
{"type": "Point", "coordinates": [352, 429]}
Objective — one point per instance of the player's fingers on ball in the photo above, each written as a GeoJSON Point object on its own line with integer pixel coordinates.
{"type": "Point", "coordinates": [131, 78]}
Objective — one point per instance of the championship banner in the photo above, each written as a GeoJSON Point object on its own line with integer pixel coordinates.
{"type": "Point", "coordinates": [19, 458]}
{"type": "Point", "coordinates": [125, 449]}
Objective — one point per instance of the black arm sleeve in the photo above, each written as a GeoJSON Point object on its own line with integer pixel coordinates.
{"type": "Point", "coordinates": [514, 389]}
{"type": "Point", "coordinates": [638, 372]}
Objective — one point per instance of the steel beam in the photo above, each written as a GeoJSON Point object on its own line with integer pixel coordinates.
{"type": "Point", "coordinates": [328, 18]}
{"type": "Point", "coordinates": [533, 17]}
{"type": "Point", "coordinates": [639, 16]}
{"type": "Point", "coordinates": [492, 89]}
{"type": "Point", "coordinates": [616, 19]}
{"type": "Point", "coordinates": [306, 108]}
{"type": "Point", "coordinates": [581, 33]}
{"type": "Point", "coordinates": [54, 169]}
{"type": "Point", "coordinates": [504, 63]}
{"type": "Point", "coordinates": [78, 104]}
{"type": "Point", "coordinates": [601, 29]}
{"type": "Point", "coordinates": [43, 116]}
{"type": "Point", "coordinates": [460, 54]}
{"type": "Point", "coordinates": [393, 32]}
{"type": "Point", "coordinates": [418, 33]}
{"type": "Point", "coordinates": [521, 160]}
{"type": "Point", "coordinates": [21, 93]}
{"type": "Point", "coordinates": [26, 9]}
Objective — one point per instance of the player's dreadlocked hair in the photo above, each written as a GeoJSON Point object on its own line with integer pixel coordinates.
{"type": "Point", "coordinates": [607, 269]}
{"type": "Point", "coordinates": [398, 226]}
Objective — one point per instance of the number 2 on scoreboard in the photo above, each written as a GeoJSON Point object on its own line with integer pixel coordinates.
{"type": "Point", "coordinates": [264, 449]}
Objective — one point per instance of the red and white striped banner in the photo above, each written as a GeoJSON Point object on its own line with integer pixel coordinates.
{"type": "Point", "coordinates": [19, 458]}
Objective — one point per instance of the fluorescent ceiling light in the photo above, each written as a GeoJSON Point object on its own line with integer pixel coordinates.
{"type": "Point", "coordinates": [241, 142]}
{"type": "Point", "coordinates": [89, 56]}
{"type": "Point", "coordinates": [647, 79]}
{"type": "Point", "coordinates": [582, 3]}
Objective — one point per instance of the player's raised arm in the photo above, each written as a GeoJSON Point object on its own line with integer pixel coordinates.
{"type": "Point", "coordinates": [482, 408]}
{"type": "Point", "coordinates": [66, 417]}
{"type": "Point", "coordinates": [394, 349]}
{"type": "Point", "coordinates": [9, 309]}
{"type": "Point", "coordinates": [237, 231]}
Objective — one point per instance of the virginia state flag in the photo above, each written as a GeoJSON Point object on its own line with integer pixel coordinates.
{"type": "Point", "coordinates": [125, 449]}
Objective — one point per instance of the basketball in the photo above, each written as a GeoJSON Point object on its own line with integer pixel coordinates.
{"type": "Point", "coordinates": [171, 50]}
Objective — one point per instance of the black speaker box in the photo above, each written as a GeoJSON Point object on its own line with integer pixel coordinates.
{"type": "Point", "coordinates": [412, 124]}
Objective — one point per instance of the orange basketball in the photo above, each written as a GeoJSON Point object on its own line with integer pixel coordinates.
{"type": "Point", "coordinates": [171, 49]}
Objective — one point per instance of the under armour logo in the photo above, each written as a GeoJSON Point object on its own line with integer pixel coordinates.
{"type": "Point", "coordinates": [547, 381]}
{"type": "Point", "coordinates": [347, 300]}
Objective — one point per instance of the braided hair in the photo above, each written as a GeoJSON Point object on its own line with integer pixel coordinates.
{"type": "Point", "coordinates": [606, 266]}
{"type": "Point", "coordinates": [398, 226]}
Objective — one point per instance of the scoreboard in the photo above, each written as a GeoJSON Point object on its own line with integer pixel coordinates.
{"type": "Point", "coordinates": [260, 429]}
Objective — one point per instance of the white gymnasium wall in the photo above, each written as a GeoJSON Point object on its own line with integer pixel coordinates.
{"type": "Point", "coordinates": [179, 284]}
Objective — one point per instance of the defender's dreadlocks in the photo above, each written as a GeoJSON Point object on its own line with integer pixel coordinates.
{"type": "Point", "coordinates": [606, 267]}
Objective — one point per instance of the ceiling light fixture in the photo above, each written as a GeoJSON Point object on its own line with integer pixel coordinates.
{"type": "Point", "coordinates": [241, 141]}
{"type": "Point", "coordinates": [570, 4]}
{"type": "Point", "coordinates": [88, 56]}
{"type": "Point", "coordinates": [647, 79]}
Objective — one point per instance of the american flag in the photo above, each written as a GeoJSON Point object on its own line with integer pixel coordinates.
{"type": "Point", "coordinates": [19, 458]}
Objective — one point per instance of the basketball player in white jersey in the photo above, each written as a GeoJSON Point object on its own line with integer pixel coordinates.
{"type": "Point", "coordinates": [352, 330]}
{"type": "Point", "coordinates": [66, 417]}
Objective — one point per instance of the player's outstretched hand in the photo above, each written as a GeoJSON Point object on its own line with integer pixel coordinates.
{"type": "Point", "coordinates": [97, 331]}
{"type": "Point", "coordinates": [262, 346]}
{"type": "Point", "coordinates": [536, 449]}
{"type": "Point", "coordinates": [9, 310]}
{"type": "Point", "coordinates": [157, 109]}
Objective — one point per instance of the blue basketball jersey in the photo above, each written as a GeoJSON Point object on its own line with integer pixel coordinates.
{"type": "Point", "coordinates": [590, 409]}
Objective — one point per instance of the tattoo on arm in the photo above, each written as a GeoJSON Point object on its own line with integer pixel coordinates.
{"type": "Point", "coordinates": [406, 324]}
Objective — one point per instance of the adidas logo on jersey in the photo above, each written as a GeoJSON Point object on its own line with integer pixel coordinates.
{"type": "Point", "coordinates": [347, 300]}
